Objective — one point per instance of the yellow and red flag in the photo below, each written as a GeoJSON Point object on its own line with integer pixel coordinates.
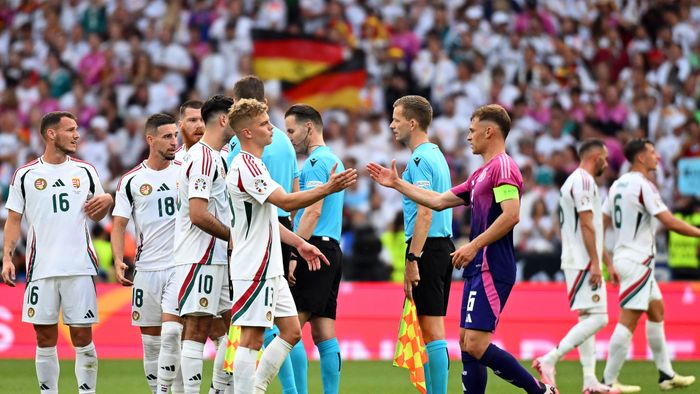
{"type": "Point", "coordinates": [410, 349]}
{"type": "Point", "coordinates": [234, 338]}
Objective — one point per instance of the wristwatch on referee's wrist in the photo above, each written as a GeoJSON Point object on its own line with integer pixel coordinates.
{"type": "Point", "coordinates": [413, 257]}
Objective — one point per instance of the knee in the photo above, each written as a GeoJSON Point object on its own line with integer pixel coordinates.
{"type": "Point", "coordinates": [600, 319]}
{"type": "Point", "coordinates": [293, 335]}
{"type": "Point", "coordinates": [472, 347]}
{"type": "Point", "coordinates": [46, 338]}
{"type": "Point", "coordinates": [171, 332]}
{"type": "Point", "coordinates": [81, 337]}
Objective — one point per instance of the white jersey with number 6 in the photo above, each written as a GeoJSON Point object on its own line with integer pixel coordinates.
{"type": "Point", "coordinates": [579, 194]}
{"type": "Point", "coordinates": [52, 198]}
{"type": "Point", "coordinates": [202, 175]}
{"type": "Point", "coordinates": [631, 204]}
{"type": "Point", "coordinates": [149, 197]}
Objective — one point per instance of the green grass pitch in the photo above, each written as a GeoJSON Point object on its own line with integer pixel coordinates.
{"type": "Point", "coordinates": [357, 377]}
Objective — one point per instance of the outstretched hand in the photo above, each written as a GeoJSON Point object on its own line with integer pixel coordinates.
{"type": "Point", "coordinates": [342, 180]}
{"type": "Point", "coordinates": [384, 176]}
{"type": "Point", "coordinates": [120, 268]}
{"type": "Point", "coordinates": [312, 255]}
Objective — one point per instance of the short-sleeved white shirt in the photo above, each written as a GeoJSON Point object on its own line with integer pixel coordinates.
{"type": "Point", "coordinates": [579, 194]}
{"type": "Point", "coordinates": [149, 197]}
{"type": "Point", "coordinates": [202, 175]}
{"type": "Point", "coordinates": [257, 253]}
{"type": "Point", "coordinates": [52, 197]}
{"type": "Point", "coordinates": [632, 203]}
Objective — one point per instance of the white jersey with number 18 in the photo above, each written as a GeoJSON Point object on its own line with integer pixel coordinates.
{"type": "Point", "coordinates": [631, 204]}
{"type": "Point", "coordinates": [579, 194]}
{"type": "Point", "coordinates": [52, 198]}
{"type": "Point", "coordinates": [149, 197]}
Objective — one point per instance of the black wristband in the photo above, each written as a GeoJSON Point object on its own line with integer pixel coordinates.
{"type": "Point", "coordinates": [413, 257]}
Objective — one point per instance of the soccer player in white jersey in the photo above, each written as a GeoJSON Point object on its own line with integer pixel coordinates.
{"type": "Point", "coordinates": [147, 193]}
{"type": "Point", "coordinates": [57, 193]}
{"type": "Point", "coordinates": [632, 203]}
{"type": "Point", "coordinates": [202, 236]}
{"type": "Point", "coordinates": [262, 295]}
{"type": "Point", "coordinates": [581, 221]}
{"type": "Point", "coordinates": [192, 129]}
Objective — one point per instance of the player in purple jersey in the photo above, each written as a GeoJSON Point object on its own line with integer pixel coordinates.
{"type": "Point", "coordinates": [493, 192]}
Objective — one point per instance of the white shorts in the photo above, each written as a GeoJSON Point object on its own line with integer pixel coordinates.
{"type": "Point", "coordinates": [582, 295]}
{"type": "Point", "coordinates": [258, 304]}
{"type": "Point", "coordinates": [154, 293]}
{"type": "Point", "coordinates": [203, 289]}
{"type": "Point", "coordinates": [74, 296]}
{"type": "Point", "coordinates": [638, 286]}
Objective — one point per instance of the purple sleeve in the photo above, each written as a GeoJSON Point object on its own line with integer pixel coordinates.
{"type": "Point", "coordinates": [463, 191]}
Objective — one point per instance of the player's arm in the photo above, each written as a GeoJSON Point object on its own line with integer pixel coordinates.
{"type": "Point", "coordinates": [675, 224]}
{"type": "Point", "coordinates": [309, 220]}
{"type": "Point", "coordinates": [588, 233]}
{"type": "Point", "coordinates": [308, 252]}
{"type": "Point", "coordinates": [11, 236]}
{"type": "Point", "coordinates": [504, 223]}
{"type": "Point", "coordinates": [292, 201]}
{"type": "Point", "coordinates": [205, 221]}
{"type": "Point", "coordinates": [118, 230]}
{"type": "Point", "coordinates": [427, 198]}
{"type": "Point", "coordinates": [295, 189]}
{"type": "Point", "coordinates": [98, 206]}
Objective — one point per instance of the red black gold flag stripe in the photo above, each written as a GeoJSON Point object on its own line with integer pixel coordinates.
{"type": "Point", "coordinates": [292, 57]}
{"type": "Point", "coordinates": [339, 87]}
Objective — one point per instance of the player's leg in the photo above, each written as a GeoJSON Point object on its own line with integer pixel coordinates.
{"type": "Point", "coordinates": [146, 313]}
{"type": "Point", "coordinates": [286, 373]}
{"type": "Point", "coordinates": [299, 360]}
{"type": "Point", "coordinates": [246, 357]}
{"type": "Point", "coordinates": [40, 307]}
{"type": "Point", "coordinates": [656, 338]}
{"type": "Point", "coordinates": [150, 339]}
{"type": "Point", "coordinates": [474, 374]}
{"type": "Point", "coordinates": [431, 297]}
{"type": "Point", "coordinates": [219, 334]}
{"type": "Point", "coordinates": [195, 332]}
{"type": "Point", "coordinates": [79, 308]}
{"type": "Point", "coordinates": [620, 344]}
{"type": "Point", "coordinates": [323, 334]}
{"type": "Point", "coordinates": [169, 375]}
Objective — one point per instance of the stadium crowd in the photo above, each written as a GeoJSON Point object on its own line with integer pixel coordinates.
{"type": "Point", "coordinates": [565, 69]}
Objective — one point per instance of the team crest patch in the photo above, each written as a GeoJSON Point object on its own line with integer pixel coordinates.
{"type": "Point", "coordinates": [260, 185]}
{"type": "Point", "coordinates": [146, 189]}
{"type": "Point", "coordinates": [135, 316]}
{"type": "Point", "coordinates": [30, 312]}
{"type": "Point", "coordinates": [75, 181]}
{"type": "Point", "coordinates": [595, 298]}
{"type": "Point", "coordinates": [40, 184]}
{"type": "Point", "coordinates": [268, 316]}
{"type": "Point", "coordinates": [203, 302]}
{"type": "Point", "coordinates": [200, 184]}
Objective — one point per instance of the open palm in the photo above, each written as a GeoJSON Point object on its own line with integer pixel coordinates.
{"type": "Point", "coordinates": [382, 175]}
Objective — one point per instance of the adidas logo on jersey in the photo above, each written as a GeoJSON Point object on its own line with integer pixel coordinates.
{"type": "Point", "coordinates": [84, 386]}
{"type": "Point", "coordinates": [468, 319]}
{"type": "Point", "coordinates": [163, 188]}
{"type": "Point", "coordinates": [89, 315]}
{"type": "Point", "coordinates": [195, 378]}
{"type": "Point", "coordinates": [58, 183]}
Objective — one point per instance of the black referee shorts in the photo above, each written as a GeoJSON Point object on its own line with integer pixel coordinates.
{"type": "Point", "coordinates": [286, 221]}
{"type": "Point", "coordinates": [317, 291]}
{"type": "Point", "coordinates": [435, 270]}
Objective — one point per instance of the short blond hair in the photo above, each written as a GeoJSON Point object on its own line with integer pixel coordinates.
{"type": "Point", "coordinates": [242, 111]}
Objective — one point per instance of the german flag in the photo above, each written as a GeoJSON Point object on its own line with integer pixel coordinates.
{"type": "Point", "coordinates": [339, 87]}
{"type": "Point", "coordinates": [292, 57]}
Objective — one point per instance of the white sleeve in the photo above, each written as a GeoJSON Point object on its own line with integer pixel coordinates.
{"type": "Point", "coordinates": [606, 206]}
{"type": "Point", "coordinates": [122, 205]}
{"type": "Point", "coordinates": [201, 178]}
{"type": "Point", "coordinates": [257, 181]}
{"type": "Point", "coordinates": [582, 189]}
{"type": "Point", "coordinates": [15, 201]}
{"type": "Point", "coordinates": [96, 179]}
{"type": "Point", "coordinates": [652, 199]}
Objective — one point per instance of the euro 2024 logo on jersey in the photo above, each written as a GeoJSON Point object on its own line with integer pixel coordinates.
{"type": "Point", "coordinates": [200, 184]}
{"type": "Point", "coordinates": [260, 185]}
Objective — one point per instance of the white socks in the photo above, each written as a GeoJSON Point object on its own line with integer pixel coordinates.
{"type": "Point", "coordinates": [220, 378]}
{"type": "Point", "coordinates": [191, 365]}
{"type": "Point", "coordinates": [272, 358]}
{"type": "Point", "coordinates": [47, 369]}
{"type": "Point", "coordinates": [86, 368]}
{"type": "Point", "coordinates": [151, 348]}
{"type": "Point", "coordinates": [244, 370]}
{"type": "Point", "coordinates": [586, 354]}
{"type": "Point", "coordinates": [617, 353]}
{"type": "Point", "coordinates": [586, 328]}
{"type": "Point", "coordinates": [657, 342]}
{"type": "Point", "coordinates": [169, 357]}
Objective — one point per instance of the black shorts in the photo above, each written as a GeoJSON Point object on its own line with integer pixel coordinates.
{"type": "Point", "coordinates": [317, 291]}
{"type": "Point", "coordinates": [286, 221]}
{"type": "Point", "coordinates": [435, 270]}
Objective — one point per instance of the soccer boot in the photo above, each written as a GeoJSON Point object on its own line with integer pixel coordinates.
{"type": "Point", "coordinates": [624, 388]}
{"type": "Point", "coordinates": [549, 389]}
{"type": "Point", "coordinates": [676, 381]}
{"type": "Point", "coordinates": [597, 388]}
{"type": "Point", "coordinates": [546, 370]}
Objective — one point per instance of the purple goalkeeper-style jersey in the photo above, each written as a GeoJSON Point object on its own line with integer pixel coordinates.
{"type": "Point", "coordinates": [477, 191]}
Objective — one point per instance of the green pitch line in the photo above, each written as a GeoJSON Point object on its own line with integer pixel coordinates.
{"type": "Point", "coordinates": [18, 376]}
